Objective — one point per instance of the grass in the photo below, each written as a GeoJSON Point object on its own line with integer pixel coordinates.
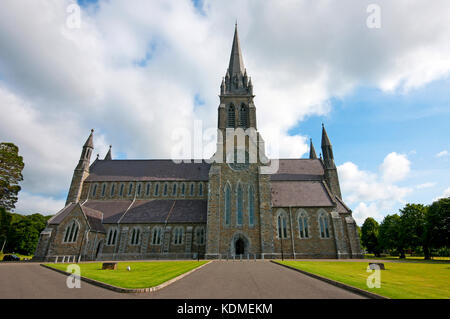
{"type": "Point", "coordinates": [22, 257]}
{"type": "Point", "coordinates": [142, 274]}
{"type": "Point", "coordinates": [408, 258]}
{"type": "Point", "coordinates": [399, 280]}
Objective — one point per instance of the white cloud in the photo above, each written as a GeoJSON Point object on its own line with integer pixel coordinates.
{"type": "Point", "coordinates": [132, 72]}
{"type": "Point", "coordinates": [395, 167]}
{"type": "Point", "coordinates": [373, 194]}
{"type": "Point", "coordinates": [425, 185]}
{"type": "Point", "coordinates": [29, 204]}
{"type": "Point", "coordinates": [443, 153]}
{"type": "Point", "coordinates": [445, 194]}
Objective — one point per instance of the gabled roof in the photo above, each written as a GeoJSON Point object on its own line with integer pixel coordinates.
{"type": "Point", "coordinates": [147, 170]}
{"type": "Point", "coordinates": [300, 194]}
{"type": "Point", "coordinates": [94, 219]}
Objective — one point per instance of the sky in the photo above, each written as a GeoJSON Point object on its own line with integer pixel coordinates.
{"type": "Point", "coordinates": [139, 71]}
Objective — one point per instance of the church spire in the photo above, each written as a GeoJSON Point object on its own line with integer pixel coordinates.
{"type": "Point", "coordinates": [312, 151]}
{"type": "Point", "coordinates": [236, 65]}
{"type": "Point", "coordinates": [108, 156]}
{"type": "Point", "coordinates": [327, 149]}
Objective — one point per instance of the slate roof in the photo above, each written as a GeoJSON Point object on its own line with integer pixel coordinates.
{"type": "Point", "coordinates": [171, 211]}
{"type": "Point", "coordinates": [299, 170]}
{"type": "Point", "coordinates": [147, 170]}
{"type": "Point", "coordinates": [94, 218]}
{"type": "Point", "coordinates": [112, 209]}
{"type": "Point", "coordinates": [59, 217]}
{"type": "Point", "coordinates": [300, 193]}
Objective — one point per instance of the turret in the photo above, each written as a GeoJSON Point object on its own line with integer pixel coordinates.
{"type": "Point", "coordinates": [81, 172]}
{"type": "Point", "coordinates": [312, 151]}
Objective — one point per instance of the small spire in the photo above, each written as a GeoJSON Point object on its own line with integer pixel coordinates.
{"type": "Point", "coordinates": [90, 140]}
{"type": "Point", "coordinates": [325, 139]}
{"type": "Point", "coordinates": [108, 156]}
{"type": "Point", "coordinates": [312, 151]}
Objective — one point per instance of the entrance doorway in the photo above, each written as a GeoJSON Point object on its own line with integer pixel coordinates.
{"type": "Point", "coordinates": [239, 247]}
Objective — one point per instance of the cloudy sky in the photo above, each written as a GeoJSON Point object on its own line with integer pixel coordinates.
{"type": "Point", "coordinates": [135, 71]}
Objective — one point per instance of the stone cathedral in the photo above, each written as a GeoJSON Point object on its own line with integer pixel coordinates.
{"type": "Point", "coordinates": [238, 203]}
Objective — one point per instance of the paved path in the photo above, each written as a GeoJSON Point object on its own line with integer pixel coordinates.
{"type": "Point", "coordinates": [219, 279]}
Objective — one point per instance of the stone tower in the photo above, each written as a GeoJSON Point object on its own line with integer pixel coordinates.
{"type": "Point", "coordinates": [234, 204]}
{"type": "Point", "coordinates": [81, 172]}
{"type": "Point", "coordinates": [331, 175]}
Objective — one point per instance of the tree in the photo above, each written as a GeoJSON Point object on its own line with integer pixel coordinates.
{"type": "Point", "coordinates": [24, 233]}
{"type": "Point", "coordinates": [390, 235]}
{"type": "Point", "coordinates": [5, 222]}
{"type": "Point", "coordinates": [438, 223]}
{"type": "Point", "coordinates": [413, 227]}
{"type": "Point", "coordinates": [11, 166]}
{"type": "Point", "coordinates": [369, 236]}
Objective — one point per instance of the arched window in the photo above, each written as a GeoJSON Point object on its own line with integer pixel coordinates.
{"type": "Point", "coordinates": [71, 233]}
{"type": "Point", "coordinates": [94, 190]}
{"type": "Point", "coordinates": [323, 225]}
{"type": "Point", "coordinates": [165, 189]}
{"type": "Point", "coordinates": [130, 189]}
{"type": "Point", "coordinates": [227, 205]}
{"type": "Point", "coordinates": [303, 227]}
{"type": "Point", "coordinates": [103, 189]}
{"type": "Point", "coordinates": [174, 189]}
{"type": "Point", "coordinates": [147, 190]}
{"type": "Point", "coordinates": [113, 190]}
{"type": "Point", "coordinates": [243, 116]}
{"type": "Point", "coordinates": [178, 235]}
{"type": "Point", "coordinates": [282, 225]}
{"type": "Point", "coordinates": [112, 235]}
{"type": "Point", "coordinates": [231, 116]}
{"type": "Point", "coordinates": [183, 189]}
{"type": "Point", "coordinates": [240, 205]}
{"type": "Point", "coordinates": [156, 193]}
{"type": "Point", "coordinates": [192, 189]}
{"type": "Point", "coordinates": [156, 236]}
{"type": "Point", "coordinates": [200, 189]}
{"type": "Point", "coordinates": [135, 236]}
{"type": "Point", "coordinates": [200, 235]}
{"type": "Point", "coordinates": [122, 186]}
{"type": "Point", "coordinates": [139, 189]}
{"type": "Point", "coordinates": [251, 205]}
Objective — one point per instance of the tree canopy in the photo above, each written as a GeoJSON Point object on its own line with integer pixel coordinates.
{"type": "Point", "coordinates": [11, 166]}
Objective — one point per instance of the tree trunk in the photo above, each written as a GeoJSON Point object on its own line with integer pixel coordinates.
{"type": "Point", "coordinates": [426, 252]}
{"type": "Point", "coordinates": [402, 253]}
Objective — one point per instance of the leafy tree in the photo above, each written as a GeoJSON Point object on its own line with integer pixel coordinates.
{"type": "Point", "coordinates": [390, 235]}
{"type": "Point", "coordinates": [369, 236]}
{"type": "Point", "coordinates": [24, 233]}
{"type": "Point", "coordinates": [11, 166]}
{"type": "Point", "coordinates": [438, 223]}
{"type": "Point", "coordinates": [413, 227]}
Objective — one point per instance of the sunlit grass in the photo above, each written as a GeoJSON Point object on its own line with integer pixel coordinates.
{"type": "Point", "coordinates": [142, 274]}
{"type": "Point", "coordinates": [399, 280]}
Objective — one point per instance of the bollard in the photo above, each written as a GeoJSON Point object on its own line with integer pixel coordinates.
{"type": "Point", "coordinates": [248, 257]}
{"type": "Point", "coordinates": [240, 257]}
{"type": "Point", "coordinates": [234, 257]}
{"type": "Point", "coordinates": [56, 260]}
{"type": "Point", "coordinates": [64, 258]}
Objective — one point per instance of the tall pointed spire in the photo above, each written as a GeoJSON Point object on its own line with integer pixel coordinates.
{"type": "Point", "coordinates": [312, 151]}
{"type": "Point", "coordinates": [108, 156]}
{"type": "Point", "coordinates": [236, 65]}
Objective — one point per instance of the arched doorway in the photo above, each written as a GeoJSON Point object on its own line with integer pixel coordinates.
{"type": "Point", "coordinates": [239, 246]}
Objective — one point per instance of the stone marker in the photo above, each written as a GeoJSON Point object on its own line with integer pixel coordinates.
{"type": "Point", "coordinates": [112, 266]}
{"type": "Point", "coordinates": [374, 266]}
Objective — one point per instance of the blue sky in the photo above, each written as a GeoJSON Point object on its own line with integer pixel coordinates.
{"type": "Point", "coordinates": [138, 73]}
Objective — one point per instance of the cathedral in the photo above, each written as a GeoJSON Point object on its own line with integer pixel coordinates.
{"type": "Point", "coordinates": [237, 204]}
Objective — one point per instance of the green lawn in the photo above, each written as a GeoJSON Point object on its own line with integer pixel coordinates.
{"type": "Point", "coordinates": [399, 280]}
{"type": "Point", "coordinates": [142, 274]}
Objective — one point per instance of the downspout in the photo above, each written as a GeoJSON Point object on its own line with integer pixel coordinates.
{"type": "Point", "coordinates": [292, 232]}
{"type": "Point", "coordinates": [165, 224]}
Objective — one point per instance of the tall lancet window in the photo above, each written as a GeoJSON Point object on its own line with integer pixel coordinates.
{"type": "Point", "coordinates": [231, 116]}
{"type": "Point", "coordinates": [227, 205]}
{"type": "Point", "coordinates": [243, 116]}
{"type": "Point", "coordinates": [240, 205]}
{"type": "Point", "coordinates": [251, 206]}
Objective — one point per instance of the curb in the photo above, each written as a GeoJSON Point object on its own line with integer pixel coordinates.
{"type": "Point", "coordinates": [127, 290]}
{"type": "Point", "coordinates": [337, 283]}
